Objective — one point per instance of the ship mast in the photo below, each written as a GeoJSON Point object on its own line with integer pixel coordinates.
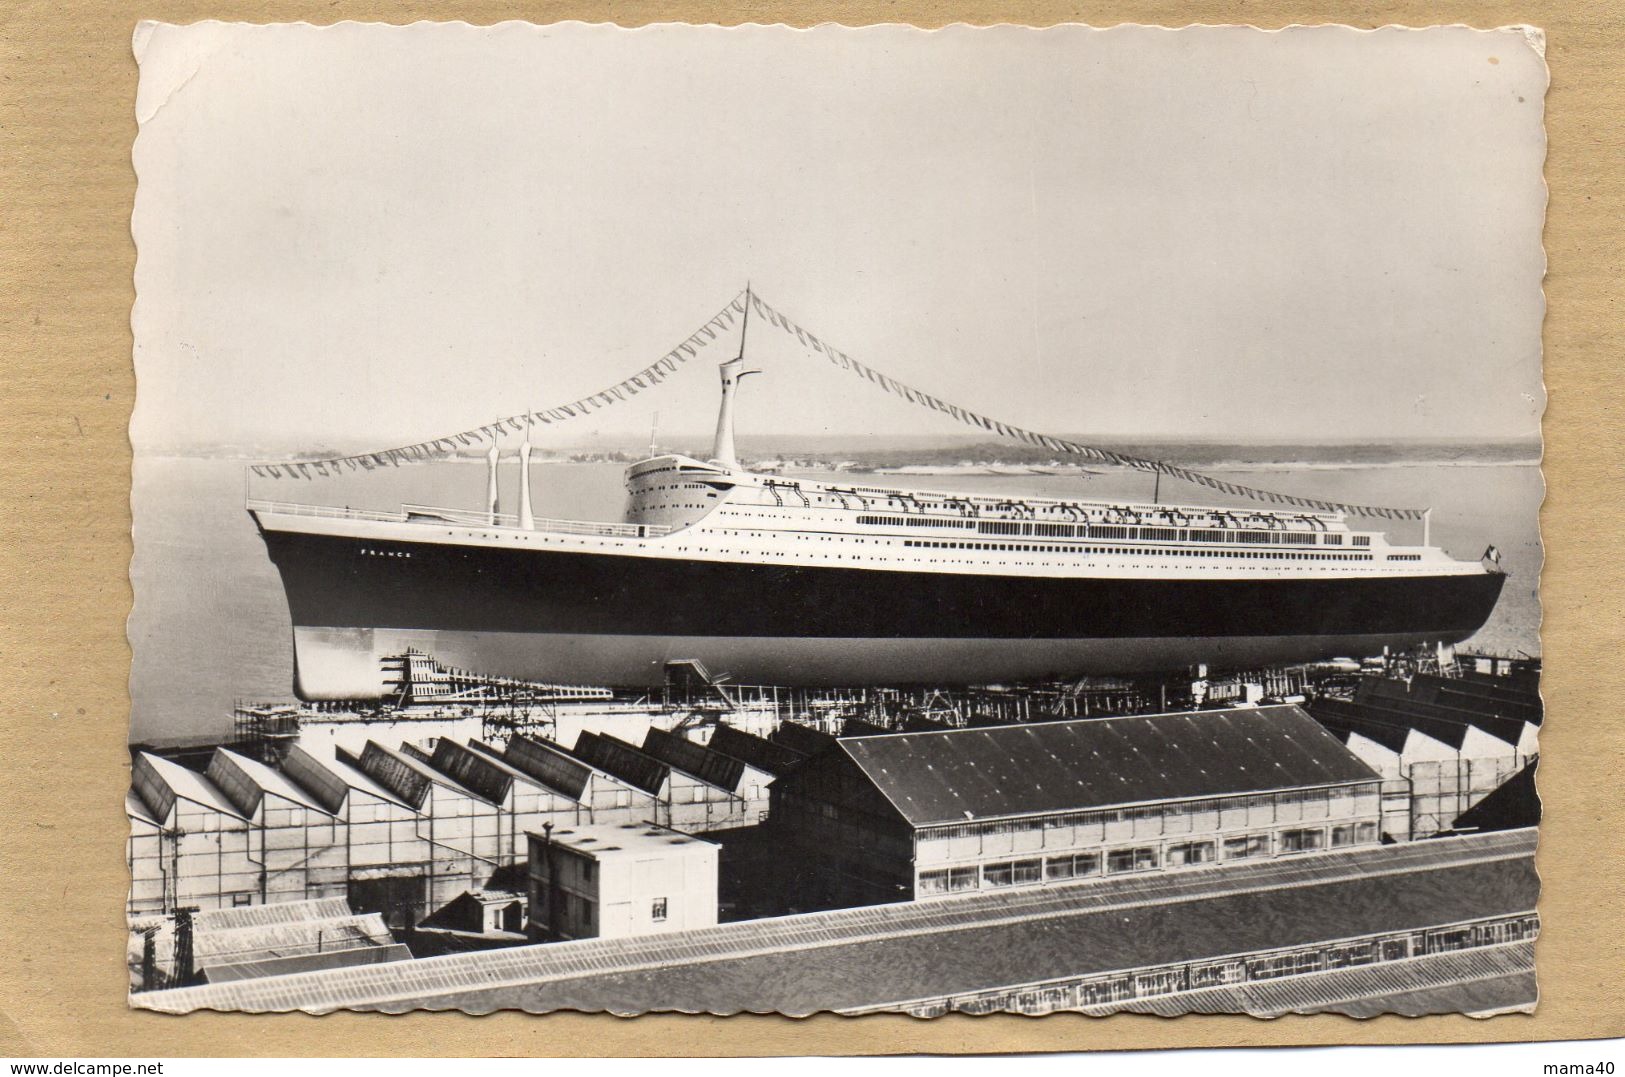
{"type": "Point", "coordinates": [527, 519]}
{"type": "Point", "coordinates": [493, 457]}
{"type": "Point", "coordinates": [722, 448]}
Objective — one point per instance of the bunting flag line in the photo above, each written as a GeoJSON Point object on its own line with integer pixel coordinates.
{"type": "Point", "coordinates": [1106, 456]}
{"type": "Point", "coordinates": [647, 378]}
{"type": "Point", "coordinates": [652, 375]}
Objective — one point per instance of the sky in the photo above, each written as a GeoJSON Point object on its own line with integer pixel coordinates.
{"type": "Point", "coordinates": [360, 236]}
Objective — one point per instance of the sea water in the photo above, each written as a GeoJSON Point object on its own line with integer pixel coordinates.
{"type": "Point", "coordinates": [210, 625]}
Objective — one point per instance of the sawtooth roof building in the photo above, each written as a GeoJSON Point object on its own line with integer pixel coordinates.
{"type": "Point", "coordinates": [1443, 743]}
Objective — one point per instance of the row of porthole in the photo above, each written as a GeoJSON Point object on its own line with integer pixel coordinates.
{"type": "Point", "coordinates": [1272, 555]}
{"type": "Point", "coordinates": [1290, 555]}
{"type": "Point", "coordinates": [919, 560]}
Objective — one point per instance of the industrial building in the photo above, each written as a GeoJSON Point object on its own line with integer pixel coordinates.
{"type": "Point", "coordinates": [615, 881]}
{"type": "Point", "coordinates": [401, 832]}
{"type": "Point", "coordinates": [188, 844]}
{"type": "Point", "coordinates": [694, 788]}
{"type": "Point", "coordinates": [1439, 926]}
{"type": "Point", "coordinates": [1442, 743]}
{"type": "Point", "coordinates": [889, 817]}
{"type": "Point", "coordinates": [221, 945]}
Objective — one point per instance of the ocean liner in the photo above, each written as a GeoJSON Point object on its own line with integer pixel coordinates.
{"type": "Point", "coordinates": [770, 579]}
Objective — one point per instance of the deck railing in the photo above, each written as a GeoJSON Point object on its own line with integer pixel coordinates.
{"type": "Point", "coordinates": [326, 512]}
{"type": "Point", "coordinates": [428, 514]}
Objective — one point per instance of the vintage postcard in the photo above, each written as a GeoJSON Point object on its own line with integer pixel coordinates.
{"type": "Point", "coordinates": [863, 520]}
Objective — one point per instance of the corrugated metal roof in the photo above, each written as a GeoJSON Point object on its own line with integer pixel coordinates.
{"type": "Point", "coordinates": [137, 811]}
{"type": "Point", "coordinates": [1341, 718]}
{"type": "Point", "coordinates": [262, 778]}
{"type": "Point", "coordinates": [409, 777]}
{"type": "Point", "coordinates": [491, 757]}
{"type": "Point", "coordinates": [188, 784]}
{"type": "Point", "coordinates": [285, 966]}
{"type": "Point", "coordinates": [759, 752]}
{"type": "Point", "coordinates": [621, 760]}
{"type": "Point", "coordinates": [392, 771]}
{"type": "Point", "coordinates": [546, 763]}
{"type": "Point", "coordinates": [477, 772]}
{"type": "Point", "coordinates": [346, 767]}
{"type": "Point", "coordinates": [713, 768]}
{"type": "Point", "coordinates": [319, 781]}
{"type": "Point", "coordinates": [801, 738]}
{"type": "Point", "coordinates": [288, 939]}
{"type": "Point", "coordinates": [1393, 701]}
{"type": "Point", "coordinates": [1101, 762]}
{"type": "Point", "coordinates": [1463, 981]}
{"type": "Point", "coordinates": [276, 912]}
{"type": "Point", "coordinates": [853, 958]}
{"type": "Point", "coordinates": [1497, 697]}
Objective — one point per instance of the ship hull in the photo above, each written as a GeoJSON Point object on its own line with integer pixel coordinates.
{"type": "Point", "coordinates": [616, 619]}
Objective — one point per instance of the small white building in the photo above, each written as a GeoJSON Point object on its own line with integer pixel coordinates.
{"type": "Point", "coordinates": [616, 881]}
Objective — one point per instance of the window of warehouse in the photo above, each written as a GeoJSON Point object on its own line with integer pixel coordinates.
{"type": "Point", "coordinates": [1246, 846]}
{"type": "Point", "coordinates": [1141, 859]}
{"type": "Point", "coordinates": [1302, 841]}
{"type": "Point", "coordinates": [1072, 867]}
{"type": "Point", "coordinates": [1013, 872]}
{"type": "Point", "coordinates": [1353, 834]}
{"type": "Point", "coordinates": [1190, 852]}
{"type": "Point", "coordinates": [962, 878]}
{"type": "Point", "coordinates": [933, 882]}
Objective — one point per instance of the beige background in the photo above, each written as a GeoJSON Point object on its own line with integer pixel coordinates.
{"type": "Point", "coordinates": [67, 85]}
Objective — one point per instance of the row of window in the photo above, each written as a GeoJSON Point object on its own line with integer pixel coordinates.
{"type": "Point", "coordinates": [1029, 870]}
{"type": "Point", "coordinates": [1110, 531]}
{"type": "Point", "coordinates": [1273, 555]}
{"type": "Point", "coordinates": [1289, 538]}
{"type": "Point", "coordinates": [1193, 976]}
{"type": "Point", "coordinates": [895, 499]}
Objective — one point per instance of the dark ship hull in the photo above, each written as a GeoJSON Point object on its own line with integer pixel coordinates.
{"type": "Point", "coordinates": [616, 619]}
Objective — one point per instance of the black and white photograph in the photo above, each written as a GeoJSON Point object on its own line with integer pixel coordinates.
{"type": "Point", "coordinates": [859, 520]}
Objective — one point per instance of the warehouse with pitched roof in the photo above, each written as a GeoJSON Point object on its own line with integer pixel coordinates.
{"type": "Point", "coordinates": [899, 815]}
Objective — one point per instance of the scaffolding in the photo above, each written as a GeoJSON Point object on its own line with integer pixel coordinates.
{"type": "Point", "coordinates": [692, 696]}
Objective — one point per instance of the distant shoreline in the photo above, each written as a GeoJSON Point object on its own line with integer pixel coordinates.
{"type": "Point", "coordinates": [1226, 466]}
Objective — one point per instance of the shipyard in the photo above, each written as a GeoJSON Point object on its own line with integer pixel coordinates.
{"type": "Point", "coordinates": [766, 726]}
{"type": "Point", "coordinates": [476, 837]}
